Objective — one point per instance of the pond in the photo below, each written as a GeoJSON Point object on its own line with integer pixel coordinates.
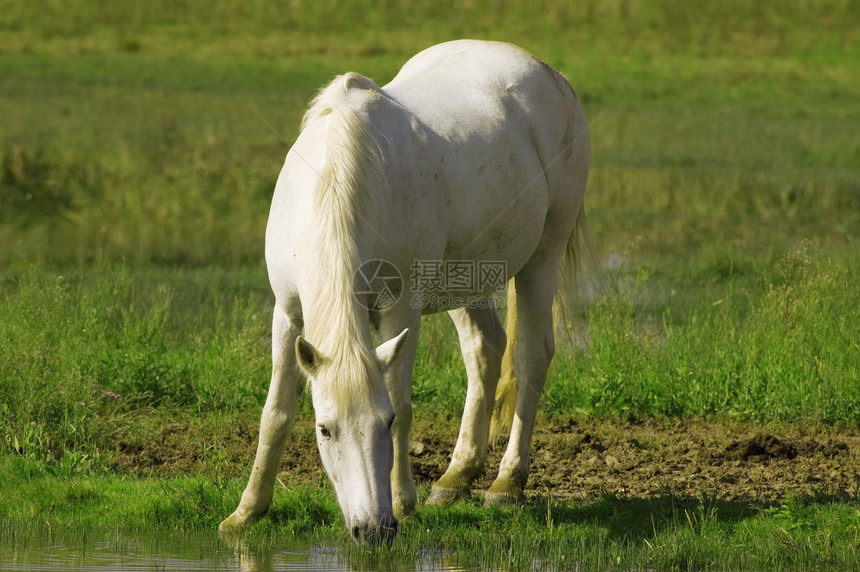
{"type": "Point", "coordinates": [188, 551]}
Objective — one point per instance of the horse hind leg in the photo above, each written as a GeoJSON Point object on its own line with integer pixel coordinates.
{"type": "Point", "coordinates": [533, 353]}
{"type": "Point", "coordinates": [506, 392]}
{"type": "Point", "coordinates": [277, 419]}
{"type": "Point", "coordinates": [482, 340]}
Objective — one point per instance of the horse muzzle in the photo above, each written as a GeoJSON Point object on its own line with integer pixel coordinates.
{"type": "Point", "coordinates": [381, 532]}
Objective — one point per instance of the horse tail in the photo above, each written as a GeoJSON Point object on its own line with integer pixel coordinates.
{"type": "Point", "coordinates": [570, 273]}
{"type": "Point", "coordinates": [563, 307]}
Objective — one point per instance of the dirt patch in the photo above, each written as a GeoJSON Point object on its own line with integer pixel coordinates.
{"type": "Point", "coordinates": [578, 458]}
{"type": "Point", "coordinates": [760, 447]}
{"type": "Point", "coordinates": [732, 462]}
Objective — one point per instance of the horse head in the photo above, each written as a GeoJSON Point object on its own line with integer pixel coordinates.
{"type": "Point", "coordinates": [354, 416]}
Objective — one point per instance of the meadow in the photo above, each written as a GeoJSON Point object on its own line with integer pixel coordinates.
{"type": "Point", "coordinates": [139, 147]}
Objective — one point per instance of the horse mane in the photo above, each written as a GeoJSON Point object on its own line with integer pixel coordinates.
{"type": "Point", "coordinates": [346, 208]}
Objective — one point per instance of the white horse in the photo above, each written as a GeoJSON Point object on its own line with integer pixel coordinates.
{"type": "Point", "coordinates": [475, 152]}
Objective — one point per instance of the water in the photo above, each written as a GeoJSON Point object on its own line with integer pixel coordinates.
{"type": "Point", "coordinates": [182, 551]}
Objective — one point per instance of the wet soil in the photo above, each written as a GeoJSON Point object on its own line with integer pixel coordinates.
{"type": "Point", "coordinates": [580, 458]}
{"type": "Point", "coordinates": [640, 459]}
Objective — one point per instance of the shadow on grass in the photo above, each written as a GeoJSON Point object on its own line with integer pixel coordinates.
{"type": "Point", "coordinates": [633, 519]}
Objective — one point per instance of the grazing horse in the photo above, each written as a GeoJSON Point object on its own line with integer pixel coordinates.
{"type": "Point", "coordinates": [477, 152]}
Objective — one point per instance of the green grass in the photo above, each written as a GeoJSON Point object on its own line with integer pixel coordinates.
{"type": "Point", "coordinates": [83, 348]}
{"type": "Point", "coordinates": [785, 350]}
{"type": "Point", "coordinates": [665, 532]}
{"type": "Point", "coordinates": [126, 127]}
{"type": "Point", "coordinates": [139, 148]}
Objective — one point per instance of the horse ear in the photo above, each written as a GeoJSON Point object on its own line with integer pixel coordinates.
{"type": "Point", "coordinates": [386, 353]}
{"type": "Point", "coordinates": [307, 355]}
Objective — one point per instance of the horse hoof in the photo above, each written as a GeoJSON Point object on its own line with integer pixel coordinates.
{"type": "Point", "coordinates": [504, 493]}
{"type": "Point", "coordinates": [443, 495]}
{"type": "Point", "coordinates": [403, 509]}
{"type": "Point", "coordinates": [231, 526]}
{"type": "Point", "coordinates": [502, 499]}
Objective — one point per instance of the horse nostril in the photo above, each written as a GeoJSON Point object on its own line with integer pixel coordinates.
{"type": "Point", "coordinates": [356, 534]}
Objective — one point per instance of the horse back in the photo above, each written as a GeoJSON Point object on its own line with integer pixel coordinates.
{"type": "Point", "coordinates": [515, 146]}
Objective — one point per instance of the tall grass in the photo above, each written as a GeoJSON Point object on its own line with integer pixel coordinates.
{"type": "Point", "coordinates": [788, 351]}
{"type": "Point", "coordinates": [85, 347]}
{"type": "Point", "coordinates": [82, 349]}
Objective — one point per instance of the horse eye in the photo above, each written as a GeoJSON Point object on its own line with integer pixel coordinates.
{"type": "Point", "coordinates": [324, 432]}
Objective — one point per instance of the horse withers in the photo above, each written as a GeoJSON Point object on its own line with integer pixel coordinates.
{"type": "Point", "coordinates": [476, 155]}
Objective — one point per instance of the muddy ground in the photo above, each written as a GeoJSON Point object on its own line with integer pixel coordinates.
{"type": "Point", "coordinates": [580, 458]}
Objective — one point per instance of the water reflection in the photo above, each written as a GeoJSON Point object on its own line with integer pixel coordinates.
{"type": "Point", "coordinates": [253, 559]}
{"type": "Point", "coordinates": [106, 552]}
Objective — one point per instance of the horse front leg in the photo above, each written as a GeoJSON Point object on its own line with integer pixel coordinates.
{"type": "Point", "coordinates": [277, 419]}
{"type": "Point", "coordinates": [482, 341]}
{"type": "Point", "coordinates": [398, 382]}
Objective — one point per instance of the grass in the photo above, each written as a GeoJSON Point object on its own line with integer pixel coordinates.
{"type": "Point", "coordinates": [699, 135]}
{"type": "Point", "coordinates": [665, 532]}
{"type": "Point", "coordinates": [139, 150]}
{"type": "Point", "coordinates": [785, 350]}
{"type": "Point", "coordinates": [82, 349]}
